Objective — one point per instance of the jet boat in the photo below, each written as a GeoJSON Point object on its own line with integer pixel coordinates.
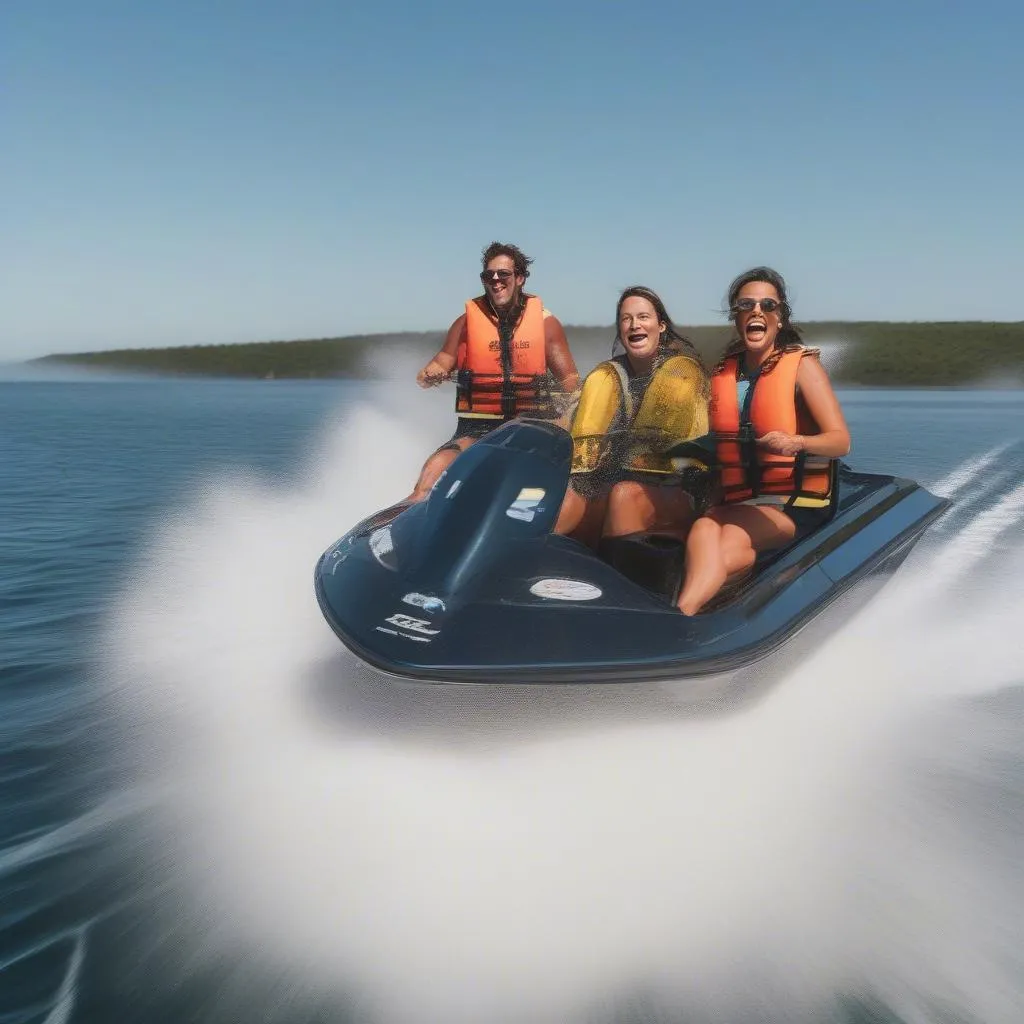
{"type": "Point", "coordinates": [472, 586]}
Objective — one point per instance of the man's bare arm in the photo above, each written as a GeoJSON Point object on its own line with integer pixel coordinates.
{"type": "Point", "coordinates": [444, 362]}
{"type": "Point", "coordinates": [559, 359]}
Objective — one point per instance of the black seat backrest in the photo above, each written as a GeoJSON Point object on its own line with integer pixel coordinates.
{"type": "Point", "coordinates": [651, 560]}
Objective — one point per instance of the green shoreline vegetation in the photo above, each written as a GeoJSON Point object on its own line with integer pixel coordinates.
{"type": "Point", "coordinates": [873, 353]}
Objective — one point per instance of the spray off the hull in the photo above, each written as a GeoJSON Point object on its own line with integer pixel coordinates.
{"type": "Point", "coordinates": [457, 854]}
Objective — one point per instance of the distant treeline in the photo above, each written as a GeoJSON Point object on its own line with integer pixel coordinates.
{"type": "Point", "coordinates": [868, 353]}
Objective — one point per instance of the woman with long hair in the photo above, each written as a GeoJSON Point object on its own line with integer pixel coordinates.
{"type": "Point", "coordinates": [651, 394]}
{"type": "Point", "coordinates": [778, 429]}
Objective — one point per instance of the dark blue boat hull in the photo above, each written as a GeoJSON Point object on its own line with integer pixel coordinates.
{"type": "Point", "coordinates": [471, 586]}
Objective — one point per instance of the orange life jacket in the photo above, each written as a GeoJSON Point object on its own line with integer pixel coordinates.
{"type": "Point", "coordinates": [748, 472]}
{"type": "Point", "coordinates": [497, 384]}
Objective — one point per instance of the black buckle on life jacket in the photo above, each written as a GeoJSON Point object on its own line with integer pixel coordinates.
{"type": "Point", "coordinates": [747, 441]}
{"type": "Point", "coordinates": [464, 389]}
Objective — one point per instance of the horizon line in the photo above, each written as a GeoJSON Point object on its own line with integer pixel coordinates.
{"type": "Point", "coordinates": [442, 330]}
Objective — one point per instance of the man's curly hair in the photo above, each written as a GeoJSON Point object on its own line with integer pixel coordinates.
{"type": "Point", "coordinates": [520, 261]}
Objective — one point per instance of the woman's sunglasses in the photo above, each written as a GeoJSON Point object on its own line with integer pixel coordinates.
{"type": "Point", "coordinates": [748, 305]}
{"type": "Point", "coordinates": [501, 275]}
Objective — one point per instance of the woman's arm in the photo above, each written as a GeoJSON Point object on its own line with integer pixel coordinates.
{"type": "Point", "coordinates": [833, 437]}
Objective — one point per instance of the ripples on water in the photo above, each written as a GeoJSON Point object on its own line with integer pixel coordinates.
{"type": "Point", "coordinates": [211, 812]}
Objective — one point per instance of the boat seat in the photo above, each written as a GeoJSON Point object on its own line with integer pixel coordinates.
{"type": "Point", "coordinates": [653, 561]}
{"type": "Point", "coordinates": [657, 562]}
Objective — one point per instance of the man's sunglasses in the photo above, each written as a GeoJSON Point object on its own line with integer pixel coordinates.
{"type": "Point", "coordinates": [748, 305]}
{"type": "Point", "coordinates": [500, 275]}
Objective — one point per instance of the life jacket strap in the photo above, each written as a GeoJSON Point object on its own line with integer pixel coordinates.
{"type": "Point", "coordinates": [517, 393]}
{"type": "Point", "coordinates": [754, 486]}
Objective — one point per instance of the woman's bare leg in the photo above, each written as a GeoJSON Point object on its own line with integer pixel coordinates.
{"type": "Point", "coordinates": [574, 508]}
{"type": "Point", "coordinates": [728, 545]}
{"type": "Point", "coordinates": [635, 507]}
{"type": "Point", "coordinates": [705, 567]}
{"type": "Point", "coordinates": [582, 518]}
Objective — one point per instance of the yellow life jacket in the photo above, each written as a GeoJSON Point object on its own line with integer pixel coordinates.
{"type": "Point", "coordinates": [672, 408]}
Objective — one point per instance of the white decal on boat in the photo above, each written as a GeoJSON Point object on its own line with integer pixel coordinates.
{"type": "Point", "coordinates": [408, 622]}
{"type": "Point", "coordinates": [565, 590]}
{"type": "Point", "coordinates": [381, 543]}
{"type": "Point", "coordinates": [338, 555]}
{"type": "Point", "coordinates": [525, 507]}
{"type": "Point", "coordinates": [407, 636]}
{"type": "Point", "coordinates": [454, 487]}
{"type": "Point", "coordinates": [427, 602]}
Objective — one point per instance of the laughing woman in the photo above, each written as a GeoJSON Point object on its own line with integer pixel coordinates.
{"type": "Point", "coordinates": [634, 406]}
{"type": "Point", "coordinates": [778, 428]}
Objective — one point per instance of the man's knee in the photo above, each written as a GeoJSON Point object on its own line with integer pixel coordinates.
{"type": "Point", "coordinates": [436, 465]}
{"type": "Point", "coordinates": [431, 471]}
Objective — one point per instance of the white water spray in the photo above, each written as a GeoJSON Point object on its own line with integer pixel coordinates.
{"type": "Point", "coordinates": [550, 854]}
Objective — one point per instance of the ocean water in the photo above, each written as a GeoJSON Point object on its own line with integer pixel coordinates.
{"type": "Point", "coordinates": [211, 812]}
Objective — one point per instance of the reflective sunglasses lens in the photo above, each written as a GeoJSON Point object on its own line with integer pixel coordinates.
{"type": "Point", "coordinates": [767, 305]}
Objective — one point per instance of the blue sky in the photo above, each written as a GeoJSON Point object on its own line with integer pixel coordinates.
{"type": "Point", "coordinates": [181, 173]}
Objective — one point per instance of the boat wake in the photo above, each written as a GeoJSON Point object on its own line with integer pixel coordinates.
{"type": "Point", "coordinates": [848, 837]}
